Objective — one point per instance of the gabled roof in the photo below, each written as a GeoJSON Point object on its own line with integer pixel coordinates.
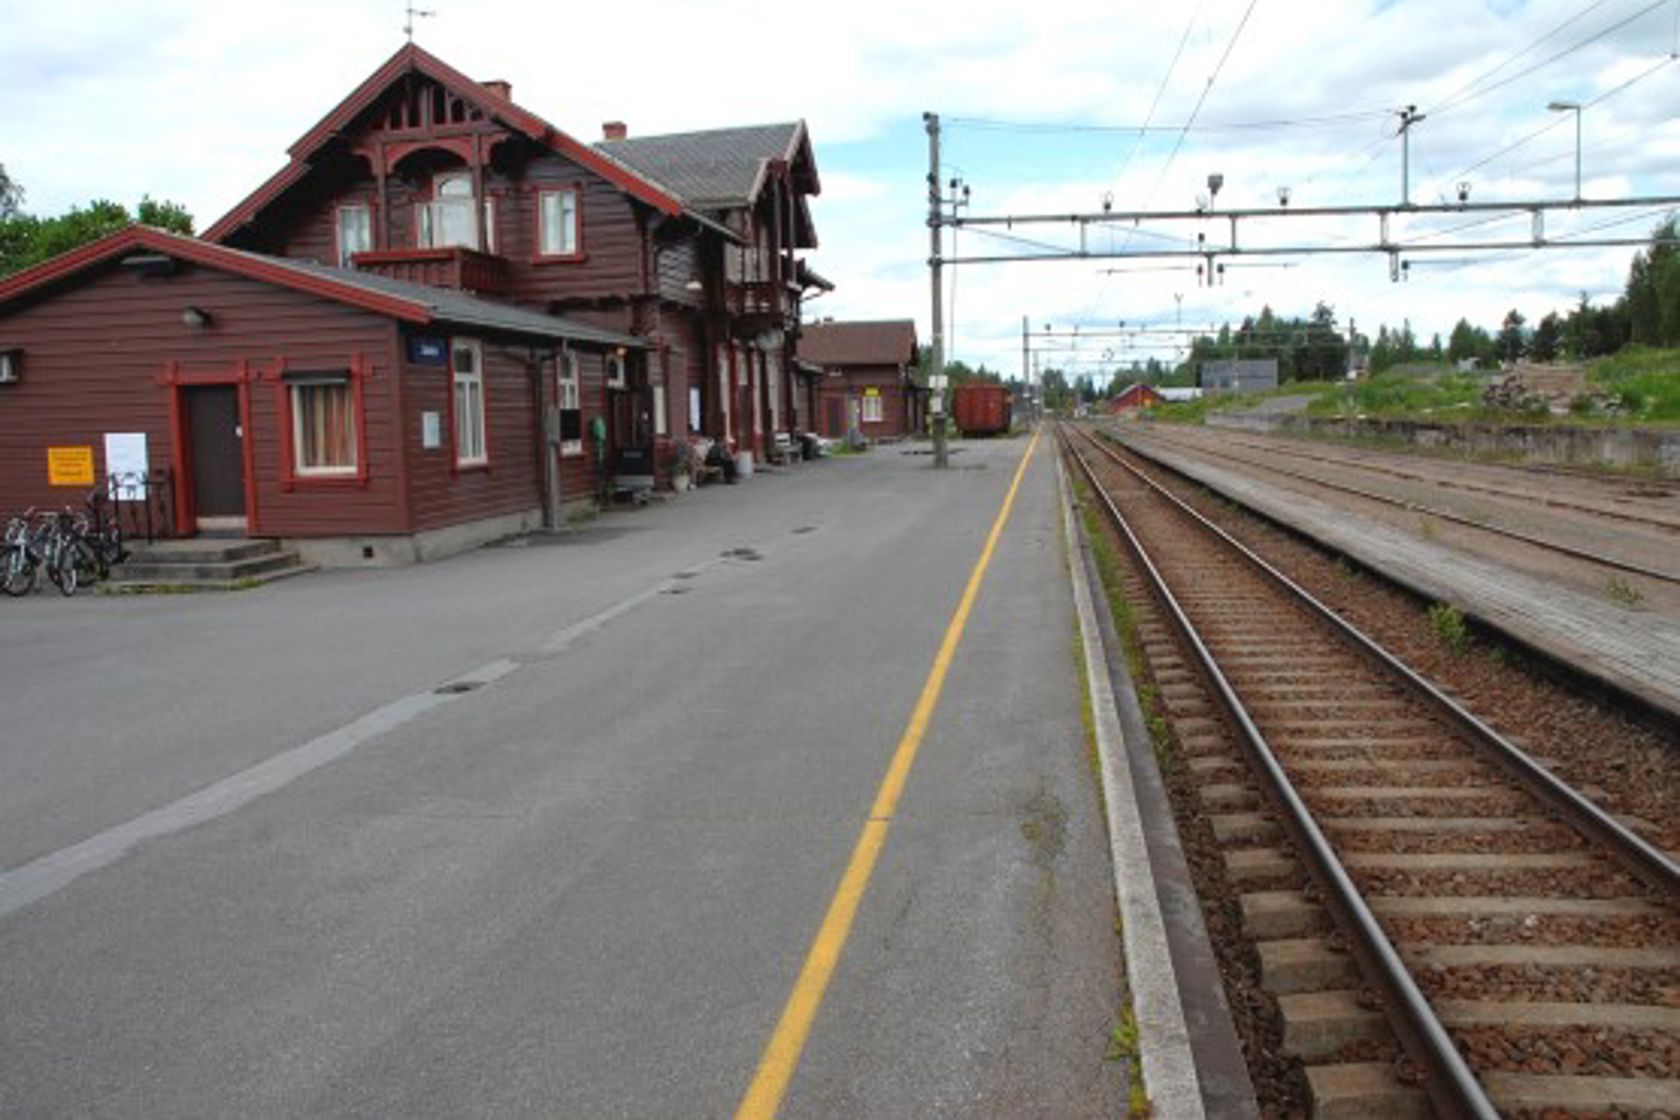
{"type": "Point", "coordinates": [420, 304]}
{"type": "Point", "coordinates": [717, 168]}
{"type": "Point", "coordinates": [881, 342]}
{"type": "Point", "coordinates": [412, 59]}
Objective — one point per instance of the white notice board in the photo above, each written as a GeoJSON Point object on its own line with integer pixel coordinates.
{"type": "Point", "coordinates": [125, 459]}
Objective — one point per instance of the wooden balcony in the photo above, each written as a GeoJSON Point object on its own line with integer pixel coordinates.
{"type": "Point", "coordinates": [454, 266]}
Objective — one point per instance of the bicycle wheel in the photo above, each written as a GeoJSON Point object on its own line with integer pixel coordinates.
{"type": "Point", "coordinates": [64, 571]}
{"type": "Point", "coordinates": [19, 575]}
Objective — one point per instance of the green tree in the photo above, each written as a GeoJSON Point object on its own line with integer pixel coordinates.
{"type": "Point", "coordinates": [1513, 342]}
{"type": "Point", "coordinates": [11, 195]}
{"type": "Point", "coordinates": [1548, 338]}
{"type": "Point", "coordinates": [1653, 290]}
{"type": "Point", "coordinates": [27, 240]}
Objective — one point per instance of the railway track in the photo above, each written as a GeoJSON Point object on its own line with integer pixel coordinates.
{"type": "Point", "coordinates": [1445, 927]}
{"type": "Point", "coordinates": [1267, 461]}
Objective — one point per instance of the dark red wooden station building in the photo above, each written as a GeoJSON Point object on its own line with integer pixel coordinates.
{"type": "Point", "coordinates": [442, 321]}
{"type": "Point", "coordinates": [865, 378]}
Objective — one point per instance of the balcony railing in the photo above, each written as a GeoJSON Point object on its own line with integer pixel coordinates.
{"type": "Point", "coordinates": [453, 266]}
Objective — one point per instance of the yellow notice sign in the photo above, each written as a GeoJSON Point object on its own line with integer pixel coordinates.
{"type": "Point", "coordinates": [871, 391]}
{"type": "Point", "coordinates": [70, 466]}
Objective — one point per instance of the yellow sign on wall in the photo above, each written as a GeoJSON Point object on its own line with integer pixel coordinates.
{"type": "Point", "coordinates": [70, 466]}
{"type": "Point", "coordinates": [871, 391]}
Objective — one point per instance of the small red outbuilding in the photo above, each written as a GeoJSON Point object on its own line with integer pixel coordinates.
{"type": "Point", "coordinates": [353, 416]}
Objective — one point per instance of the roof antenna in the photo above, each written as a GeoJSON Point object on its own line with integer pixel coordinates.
{"type": "Point", "coordinates": [408, 27]}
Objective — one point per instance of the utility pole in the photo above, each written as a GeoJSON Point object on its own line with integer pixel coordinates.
{"type": "Point", "coordinates": [1026, 371]}
{"type": "Point", "coordinates": [936, 375]}
{"type": "Point", "coordinates": [1408, 117]}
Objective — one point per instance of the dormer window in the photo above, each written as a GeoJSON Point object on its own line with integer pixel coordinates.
{"type": "Point", "coordinates": [557, 223]}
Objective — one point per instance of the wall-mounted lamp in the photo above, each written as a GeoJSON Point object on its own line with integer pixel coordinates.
{"type": "Point", "coordinates": [1283, 196]}
{"type": "Point", "coordinates": [195, 318]}
{"type": "Point", "coordinates": [694, 286]}
{"type": "Point", "coordinates": [1464, 191]}
{"type": "Point", "coordinates": [11, 367]}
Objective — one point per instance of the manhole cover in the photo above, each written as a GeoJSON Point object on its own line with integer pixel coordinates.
{"type": "Point", "coordinates": [454, 688]}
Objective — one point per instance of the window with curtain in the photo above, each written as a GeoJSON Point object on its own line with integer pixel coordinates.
{"type": "Point", "coordinates": [324, 428]}
{"type": "Point", "coordinates": [557, 223]}
{"type": "Point", "coordinates": [871, 410]}
{"type": "Point", "coordinates": [355, 232]}
{"type": "Point", "coordinates": [468, 374]}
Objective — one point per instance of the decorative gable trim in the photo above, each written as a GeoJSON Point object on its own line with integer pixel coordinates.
{"type": "Point", "coordinates": [411, 58]}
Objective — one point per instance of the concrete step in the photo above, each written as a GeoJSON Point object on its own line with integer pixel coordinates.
{"type": "Point", "coordinates": [200, 550]}
{"type": "Point", "coordinates": [227, 571]}
{"type": "Point", "coordinates": [1364, 1091]}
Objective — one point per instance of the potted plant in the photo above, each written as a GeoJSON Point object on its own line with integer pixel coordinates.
{"type": "Point", "coordinates": [682, 466]}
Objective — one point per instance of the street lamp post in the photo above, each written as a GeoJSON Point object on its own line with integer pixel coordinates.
{"type": "Point", "coordinates": [1572, 107]}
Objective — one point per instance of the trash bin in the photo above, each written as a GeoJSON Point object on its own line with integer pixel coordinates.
{"type": "Point", "coordinates": [807, 446]}
{"type": "Point", "coordinates": [743, 464]}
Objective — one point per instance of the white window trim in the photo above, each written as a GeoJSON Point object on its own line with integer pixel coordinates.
{"type": "Point", "coordinates": [427, 213]}
{"type": "Point", "coordinates": [615, 371]}
{"type": "Point", "coordinates": [660, 426]}
{"type": "Point", "coordinates": [367, 226]}
{"type": "Point", "coordinates": [475, 378]}
{"type": "Point", "coordinates": [571, 390]}
{"type": "Point", "coordinates": [573, 227]}
{"type": "Point", "coordinates": [299, 468]}
{"type": "Point", "coordinates": [872, 410]}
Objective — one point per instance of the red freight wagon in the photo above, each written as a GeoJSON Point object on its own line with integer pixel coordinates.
{"type": "Point", "coordinates": [981, 410]}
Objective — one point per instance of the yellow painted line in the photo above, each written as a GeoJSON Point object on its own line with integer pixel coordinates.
{"type": "Point", "coordinates": [781, 1055]}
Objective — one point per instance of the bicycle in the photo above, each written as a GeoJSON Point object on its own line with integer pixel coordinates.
{"type": "Point", "coordinates": [26, 543]}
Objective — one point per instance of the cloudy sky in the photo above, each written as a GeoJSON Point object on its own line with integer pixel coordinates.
{"type": "Point", "coordinates": [1043, 105]}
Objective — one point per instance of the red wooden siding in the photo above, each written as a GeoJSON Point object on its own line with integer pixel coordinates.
{"type": "Point", "coordinates": [96, 355]}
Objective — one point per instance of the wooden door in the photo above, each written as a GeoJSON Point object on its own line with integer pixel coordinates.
{"type": "Point", "coordinates": [218, 459]}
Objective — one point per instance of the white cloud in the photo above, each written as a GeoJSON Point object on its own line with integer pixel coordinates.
{"type": "Point", "coordinates": [197, 101]}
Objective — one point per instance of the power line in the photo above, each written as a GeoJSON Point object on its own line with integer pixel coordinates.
{"type": "Point", "coordinates": [1543, 63]}
{"type": "Point", "coordinates": [1448, 102]}
{"type": "Point", "coordinates": [994, 125]}
{"type": "Point", "coordinates": [1560, 121]}
{"type": "Point", "coordinates": [1201, 100]}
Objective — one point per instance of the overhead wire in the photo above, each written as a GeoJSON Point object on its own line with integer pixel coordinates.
{"type": "Point", "coordinates": [1450, 99]}
{"type": "Point", "coordinates": [1450, 103]}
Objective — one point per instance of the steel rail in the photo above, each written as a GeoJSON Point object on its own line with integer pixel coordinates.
{"type": "Point", "coordinates": [1455, 518]}
{"type": "Point", "coordinates": [1651, 864]}
{"type": "Point", "coordinates": [1452, 1086]}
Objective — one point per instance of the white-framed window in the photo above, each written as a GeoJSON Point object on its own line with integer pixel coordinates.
{"type": "Point", "coordinates": [773, 374]}
{"type": "Point", "coordinates": [557, 223]}
{"type": "Point", "coordinates": [660, 426]}
{"type": "Point", "coordinates": [872, 410]}
{"type": "Point", "coordinates": [324, 427]}
{"type": "Point", "coordinates": [695, 419]}
{"type": "Point", "coordinates": [615, 371]}
{"type": "Point", "coordinates": [571, 406]}
{"type": "Point", "coordinates": [451, 217]}
{"type": "Point", "coordinates": [355, 232]}
{"type": "Point", "coordinates": [467, 368]}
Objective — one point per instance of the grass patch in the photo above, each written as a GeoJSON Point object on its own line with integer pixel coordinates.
{"type": "Point", "coordinates": [1449, 625]}
{"type": "Point", "coordinates": [1125, 625]}
{"type": "Point", "coordinates": [1125, 1045]}
{"type": "Point", "coordinates": [1644, 383]}
{"type": "Point", "coordinates": [1437, 393]}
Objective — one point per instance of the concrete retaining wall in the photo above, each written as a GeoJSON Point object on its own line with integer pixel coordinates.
{"type": "Point", "coordinates": [1628, 448]}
